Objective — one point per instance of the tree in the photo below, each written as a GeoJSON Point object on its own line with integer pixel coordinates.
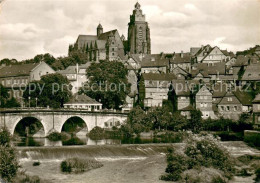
{"type": "Point", "coordinates": [7, 61]}
{"type": "Point", "coordinates": [5, 102]}
{"type": "Point", "coordinates": [8, 160]}
{"type": "Point", "coordinates": [195, 122]}
{"type": "Point", "coordinates": [178, 122]}
{"type": "Point", "coordinates": [107, 83]}
{"type": "Point", "coordinates": [52, 90]}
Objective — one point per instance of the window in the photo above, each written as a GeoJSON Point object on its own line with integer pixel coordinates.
{"type": "Point", "coordinates": [249, 74]}
{"type": "Point", "coordinates": [235, 108]}
{"type": "Point", "coordinates": [113, 42]}
{"type": "Point", "coordinates": [229, 99]}
{"type": "Point", "coordinates": [228, 108]}
{"type": "Point", "coordinates": [113, 54]}
{"type": "Point", "coordinates": [113, 49]}
{"type": "Point", "coordinates": [258, 106]}
{"type": "Point", "coordinates": [222, 108]}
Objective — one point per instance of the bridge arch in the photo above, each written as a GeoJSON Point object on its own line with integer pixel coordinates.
{"type": "Point", "coordinates": [74, 119]}
{"type": "Point", "coordinates": [23, 120]}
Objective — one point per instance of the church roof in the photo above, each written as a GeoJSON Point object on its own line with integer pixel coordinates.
{"type": "Point", "coordinates": [105, 35]}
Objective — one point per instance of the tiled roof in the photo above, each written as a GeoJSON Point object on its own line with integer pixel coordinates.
{"type": "Point", "coordinates": [105, 35]}
{"type": "Point", "coordinates": [241, 61]}
{"type": "Point", "coordinates": [69, 70]}
{"type": "Point", "coordinates": [244, 97]}
{"type": "Point", "coordinates": [217, 68]}
{"type": "Point", "coordinates": [156, 63]}
{"type": "Point", "coordinates": [188, 108]}
{"type": "Point", "coordinates": [17, 70]}
{"type": "Point", "coordinates": [158, 77]}
{"type": "Point", "coordinates": [257, 99]}
{"type": "Point", "coordinates": [181, 87]}
{"type": "Point", "coordinates": [252, 73]}
{"type": "Point", "coordinates": [181, 58]}
{"type": "Point", "coordinates": [219, 90]}
{"type": "Point", "coordinates": [82, 99]}
{"type": "Point", "coordinates": [225, 101]}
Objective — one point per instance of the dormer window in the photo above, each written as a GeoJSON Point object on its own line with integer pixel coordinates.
{"type": "Point", "coordinates": [229, 99]}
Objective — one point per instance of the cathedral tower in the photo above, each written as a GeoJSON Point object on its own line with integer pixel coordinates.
{"type": "Point", "coordinates": [99, 30]}
{"type": "Point", "coordinates": [138, 33]}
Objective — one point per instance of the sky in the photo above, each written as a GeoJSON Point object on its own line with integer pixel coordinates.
{"type": "Point", "coordinates": [31, 27]}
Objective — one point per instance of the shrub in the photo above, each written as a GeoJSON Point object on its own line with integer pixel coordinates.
{"type": "Point", "coordinates": [65, 167]}
{"type": "Point", "coordinates": [252, 138]}
{"type": "Point", "coordinates": [55, 136]}
{"type": "Point", "coordinates": [8, 159]}
{"type": "Point", "coordinates": [77, 165]}
{"type": "Point", "coordinates": [97, 133]}
{"type": "Point", "coordinates": [73, 141]}
{"type": "Point", "coordinates": [257, 172]}
{"type": "Point", "coordinates": [37, 163]}
{"type": "Point", "coordinates": [30, 179]}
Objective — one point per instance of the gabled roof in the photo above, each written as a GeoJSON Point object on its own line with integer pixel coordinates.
{"type": "Point", "coordinates": [158, 77]}
{"type": "Point", "coordinates": [18, 70]}
{"type": "Point", "coordinates": [82, 99]}
{"type": "Point", "coordinates": [217, 68]}
{"type": "Point", "coordinates": [225, 101]}
{"type": "Point", "coordinates": [244, 97]}
{"type": "Point", "coordinates": [69, 70]}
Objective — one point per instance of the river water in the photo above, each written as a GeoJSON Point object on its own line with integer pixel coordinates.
{"type": "Point", "coordinates": [85, 141]}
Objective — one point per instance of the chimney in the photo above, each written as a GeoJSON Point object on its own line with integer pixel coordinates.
{"type": "Point", "coordinates": [181, 54]}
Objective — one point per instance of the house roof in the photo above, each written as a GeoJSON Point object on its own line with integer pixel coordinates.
{"type": "Point", "coordinates": [252, 73]}
{"type": "Point", "coordinates": [156, 63]}
{"type": "Point", "coordinates": [205, 69]}
{"type": "Point", "coordinates": [82, 99]}
{"type": "Point", "coordinates": [17, 70]}
{"type": "Point", "coordinates": [188, 108]}
{"type": "Point", "coordinates": [181, 87]}
{"type": "Point", "coordinates": [158, 77]}
{"type": "Point", "coordinates": [225, 101]}
{"type": "Point", "coordinates": [69, 70]}
{"type": "Point", "coordinates": [257, 99]}
{"type": "Point", "coordinates": [219, 90]}
{"type": "Point", "coordinates": [179, 58]}
{"type": "Point", "coordinates": [244, 97]}
{"type": "Point", "coordinates": [241, 61]}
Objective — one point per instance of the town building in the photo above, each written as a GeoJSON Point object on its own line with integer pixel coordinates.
{"type": "Point", "coordinates": [154, 88]}
{"type": "Point", "coordinates": [76, 75]}
{"type": "Point", "coordinates": [83, 102]}
{"type": "Point", "coordinates": [16, 77]}
{"type": "Point", "coordinates": [182, 60]}
{"type": "Point", "coordinates": [204, 103]}
{"type": "Point", "coordinates": [230, 107]}
{"type": "Point", "coordinates": [256, 111]}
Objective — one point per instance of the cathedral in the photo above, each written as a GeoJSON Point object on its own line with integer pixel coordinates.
{"type": "Point", "coordinates": [111, 46]}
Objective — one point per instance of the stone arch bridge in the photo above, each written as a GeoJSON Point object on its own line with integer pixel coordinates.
{"type": "Point", "coordinates": [54, 119]}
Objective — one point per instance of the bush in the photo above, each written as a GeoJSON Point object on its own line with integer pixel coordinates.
{"type": "Point", "coordinates": [55, 136]}
{"type": "Point", "coordinates": [30, 179]}
{"type": "Point", "coordinates": [97, 133]}
{"type": "Point", "coordinates": [37, 163]}
{"type": "Point", "coordinates": [73, 141]}
{"type": "Point", "coordinates": [257, 172]}
{"type": "Point", "coordinates": [252, 138]}
{"type": "Point", "coordinates": [8, 159]}
{"type": "Point", "coordinates": [77, 165]}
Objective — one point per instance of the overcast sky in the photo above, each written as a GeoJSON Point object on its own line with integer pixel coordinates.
{"type": "Point", "coordinates": [31, 27]}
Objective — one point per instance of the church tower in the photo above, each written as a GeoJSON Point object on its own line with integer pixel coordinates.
{"type": "Point", "coordinates": [99, 30]}
{"type": "Point", "coordinates": [139, 41]}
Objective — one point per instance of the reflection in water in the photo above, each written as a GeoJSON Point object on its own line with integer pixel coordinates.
{"type": "Point", "coordinates": [83, 140]}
